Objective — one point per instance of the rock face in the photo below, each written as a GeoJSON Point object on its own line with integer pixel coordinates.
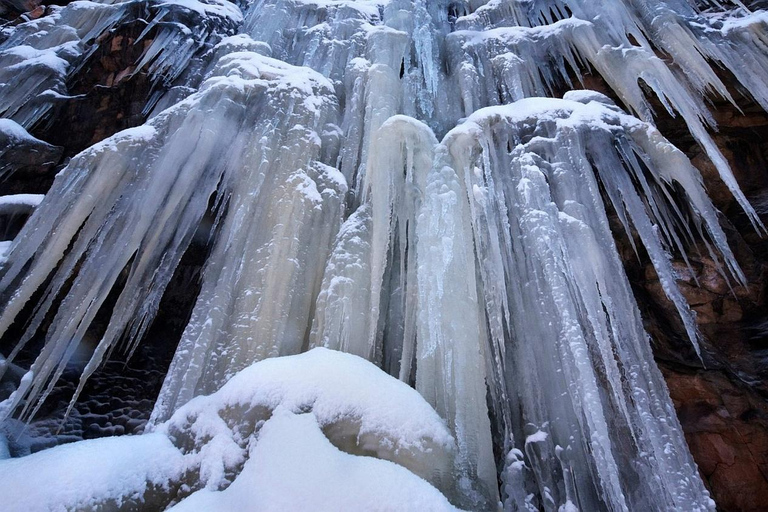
{"type": "Point", "coordinates": [726, 426]}
{"type": "Point", "coordinates": [721, 399]}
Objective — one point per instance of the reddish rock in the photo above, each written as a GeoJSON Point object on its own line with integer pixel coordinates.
{"type": "Point", "coordinates": [727, 431]}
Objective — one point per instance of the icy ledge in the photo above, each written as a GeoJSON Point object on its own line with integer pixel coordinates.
{"type": "Point", "coordinates": [273, 438]}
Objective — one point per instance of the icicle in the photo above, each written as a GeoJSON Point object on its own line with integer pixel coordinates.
{"type": "Point", "coordinates": [134, 201]}
{"type": "Point", "coordinates": [388, 268]}
{"type": "Point", "coordinates": [516, 62]}
{"type": "Point", "coordinates": [451, 355]}
{"type": "Point", "coordinates": [41, 55]}
{"type": "Point", "coordinates": [583, 377]}
{"type": "Point", "coordinates": [381, 235]}
{"type": "Point", "coordinates": [182, 29]}
{"type": "Point", "coordinates": [264, 272]}
{"type": "Point", "coordinates": [342, 320]}
{"type": "Point", "coordinates": [38, 56]}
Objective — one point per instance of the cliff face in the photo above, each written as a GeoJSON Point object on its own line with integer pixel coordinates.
{"type": "Point", "coordinates": [722, 402]}
{"type": "Point", "coordinates": [721, 399]}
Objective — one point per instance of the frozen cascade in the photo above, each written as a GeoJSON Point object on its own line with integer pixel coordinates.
{"type": "Point", "coordinates": [40, 55]}
{"type": "Point", "coordinates": [401, 239]}
{"type": "Point", "coordinates": [286, 106]}
{"type": "Point", "coordinates": [545, 252]}
{"type": "Point", "coordinates": [480, 269]}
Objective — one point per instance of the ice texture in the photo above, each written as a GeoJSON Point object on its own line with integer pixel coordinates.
{"type": "Point", "coordinates": [40, 56]}
{"type": "Point", "coordinates": [124, 211]}
{"type": "Point", "coordinates": [391, 179]}
{"type": "Point", "coordinates": [568, 345]}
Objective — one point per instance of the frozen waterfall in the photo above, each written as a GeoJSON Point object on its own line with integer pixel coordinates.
{"type": "Point", "coordinates": [408, 181]}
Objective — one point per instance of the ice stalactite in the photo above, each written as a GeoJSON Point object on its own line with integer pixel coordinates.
{"type": "Point", "coordinates": [374, 252]}
{"type": "Point", "coordinates": [581, 381]}
{"type": "Point", "coordinates": [451, 356]}
{"type": "Point", "coordinates": [132, 187]}
{"type": "Point", "coordinates": [384, 296]}
{"type": "Point", "coordinates": [36, 58]}
{"type": "Point", "coordinates": [482, 269]}
{"type": "Point", "coordinates": [539, 49]}
{"type": "Point", "coordinates": [619, 41]}
{"type": "Point", "coordinates": [489, 190]}
{"type": "Point", "coordinates": [40, 56]}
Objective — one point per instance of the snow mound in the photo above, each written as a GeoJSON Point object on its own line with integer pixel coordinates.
{"type": "Point", "coordinates": [294, 467]}
{"type": "Point", "coordinates": [361, 409]}
{"type": "Point", "coordinates": [265, 441]}
{"type": "Point", "coordinates": [89, 474]}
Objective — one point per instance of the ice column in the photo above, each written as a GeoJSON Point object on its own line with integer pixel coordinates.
{"type": "Point", "coordinates": [591, 415]}
{"type": "Point", "coordinates": [130, 205]}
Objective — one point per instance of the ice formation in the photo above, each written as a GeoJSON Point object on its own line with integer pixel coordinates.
{"type": "Point", "coordinates": [388, 178]}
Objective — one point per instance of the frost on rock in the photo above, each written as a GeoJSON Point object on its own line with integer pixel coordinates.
{"type": "Point", "coordinates": [323, 430]}
{"type": "Point", "coordinates": [17, 146]}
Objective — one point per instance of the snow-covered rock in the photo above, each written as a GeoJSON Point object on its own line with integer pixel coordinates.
{"type": "Point", "coordinates": [322, 430]}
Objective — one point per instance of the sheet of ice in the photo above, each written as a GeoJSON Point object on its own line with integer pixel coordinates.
{"type": "Point", "coordinates": [5, 247]}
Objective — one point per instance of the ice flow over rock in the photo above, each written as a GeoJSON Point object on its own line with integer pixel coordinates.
{"type": "Point", "coordinates": [390, 179]}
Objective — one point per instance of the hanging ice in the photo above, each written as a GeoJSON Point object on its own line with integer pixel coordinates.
{"type": "Point", "coordinates": [581, 381]}
{"type": "Point", "coordinates": [128, 198]}
{"type": "Point", "coordinates": [41, 55]}
{"type": "Point", "coordinates": [480, 269]}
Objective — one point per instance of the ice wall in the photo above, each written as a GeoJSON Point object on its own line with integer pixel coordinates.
{"type": "Point", "coordinates": [531, 171]}
{"type": "Point", "coordinates": [479, 268]}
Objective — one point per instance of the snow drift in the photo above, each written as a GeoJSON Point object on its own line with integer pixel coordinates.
{"type": "Point", "coordinates": [322, 429]}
